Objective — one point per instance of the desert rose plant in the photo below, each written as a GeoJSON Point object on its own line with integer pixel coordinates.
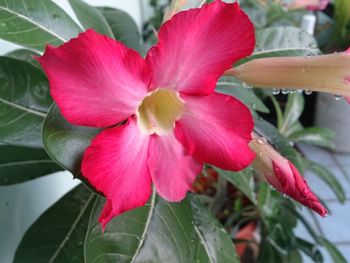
{"type": "Point", "coordinates": [166, 133]}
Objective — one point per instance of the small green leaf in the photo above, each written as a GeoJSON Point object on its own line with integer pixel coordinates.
{"type": "Point", "coordinates": [314, 135]}
{"type": "Point", "coordinates": [24, 101]}
{"type": "Point", "coordinates": [91, 17]}
{"type": "Point", "coordinates": [19, 164]}
{"type": "Point", "coordinates": [159, 232]}
{"type": "Point", "coordinates": [330, 179]}
{"type": "Point", "coordinates": [123, 27]}
{"type": "Point", "coordinates": [293, 111]}
{"type": "Point", "coordinates": [58, 235]}
{"type": "Point", "coordinates": [35, 23]}
{"type": "Point", "coordinates": [235, 88]}
{"type": "Point", "coordinates": [336, 255]}
{"type": "Point", "coordinates": [64, 142]}
{"type": "Point", "coordinates": [243, 180]}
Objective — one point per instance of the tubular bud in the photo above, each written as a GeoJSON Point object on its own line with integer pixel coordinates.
{"type": "Point", "coordinates": [324, 73]}
{"type": "Point", "coordinates": [283, 175]}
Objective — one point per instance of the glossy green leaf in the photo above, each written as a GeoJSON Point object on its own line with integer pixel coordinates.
{"type": "Point", "coordinates": [159, 232]}
{"type": "Point", "coordinates": [336, 255]}
{"type": "Point", "coordinates": [314, 135]}
{"type": "Point", "coordinates": [35, 23]}
{"type": "Point", "coordinates": [91, 17]}
{"type": "Point", "coordinates": [25, 55]}
{"type": "Point", "coordinates": [243, 180]}
{"type": "Point", "coordinates": [283, 41]}
{"type": "Point", "coordinates": [19, 164]}
{"type": "Point", "coordinates": [64, 142]}
{"type": "Point", "coordinates": [293, 111]}
{"type": "Point", "coordinates": [58, 235]}
{"type": "Point", "coordinates": [123, 27]}
{"type": "Point", "coordinates": [235, 88]}
{"type": "Point", "coordinates": [24, 101]}
{"type": "Point", "coordinates": [330, 179]}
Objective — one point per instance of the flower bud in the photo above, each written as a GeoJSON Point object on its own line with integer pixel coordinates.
{"type": "Point", "coordinates": [282, 175]}
{"type": "Point", "coordinates": [313, 5]}
{"type": "Point", "coordinates": [324, 73]}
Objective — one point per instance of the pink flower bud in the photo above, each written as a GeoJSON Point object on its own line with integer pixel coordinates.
{"type": "Point", "coordinates": [313, 5]}
{"type": "Point", "coordinates": [282, 175]}
{"type": "Point", "coordinates": [324, 73]}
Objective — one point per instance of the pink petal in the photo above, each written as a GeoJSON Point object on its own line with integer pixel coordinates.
{"type": "Point", "coordinates": [116, 165]}
{"type": "Point", "coordinates": [172, 170]}
{"type": "Point", "coordinates": [216, 129]}
{"type": "Point", "coordinates": [96, 81]}
{"type": "Point", "coordinates": [196, 46]}
{"type": "Point", "coordinates": [290, 182]}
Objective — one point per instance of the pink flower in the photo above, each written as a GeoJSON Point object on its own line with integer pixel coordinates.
{"type": "Point", "coordinates": [313, 5]}
{"type": "Point", "coordinates": [282, 174]}
{"type": "Point", "coordinates": [175, 121]}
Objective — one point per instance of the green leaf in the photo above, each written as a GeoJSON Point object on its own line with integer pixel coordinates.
{"type": "Point", "coordinates": [314, 135]}
{"type": "Point", "coordinates": [265, 129]}
{"type": "Point", "coordinates": [25, 55]}
{"type": "Point", "coordinates": [293, 111]}
{"type": "Point", "coordinates": [123, 27]}
{"type": "Point", "coordinates": [310, 250]}
{"type": "Point", "coordinates": [237, 89]}
{"type": "Point", "coordinates": [330, 179]}
{"type": "Point", "coordinates": [336, 255]}
{"type": "Point", "coordinates": [64, 142]}
{"type": "Point", "coordinates": [91, 17]}
{"type": "Point", "coordinates": [19, 164]}
{"type": "Point", "coordinates": [35, 23]}
{"type": "Point", "coordinates": [24, 101]}
{"type": "Point", "coordinates": [283, 41]}
{"type": "Point", "coordinates": [159, 232]}
{"type": "Point", "coordinates": [243, 180]}
{"type": "Point", "coordinates": [58, 235]}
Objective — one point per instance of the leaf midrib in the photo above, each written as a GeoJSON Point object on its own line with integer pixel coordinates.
{"type": "Point", "coordinates": [23, 108]}
{"type": "Point", "coordinates": [6, 9]}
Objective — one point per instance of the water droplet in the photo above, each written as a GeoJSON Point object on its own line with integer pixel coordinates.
{"type": "Point", "coordinates": [338, 97]}
{"type": "Point", "coordinates": [285, 195]}
{"type": "Point", "coordinates": [292, 91]}
{"type": "Point", "coordinates": [276, 91]}
{"type": "Point", "coordinates": [306, 192]}
{"type": "Point", "coordinates": [262, 141]}
{"type": "Point", "coordinates": [300, 91]}
{"type": "Point", "coordinates": [285, 160]}
{"type": "Point", "coordinates": [245, 85]}
{"type": "Point", "coordinates": [308, 92]}
{"type": "Point", "coordinates": [261, 153]}
{"type": "Point", "coordinates": [285, 91]}
{"type": "Point", "coordinates": [254, 106]}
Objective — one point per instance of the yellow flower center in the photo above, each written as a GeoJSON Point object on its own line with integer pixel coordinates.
{"type": "Point", "coordinates": [159, 111]}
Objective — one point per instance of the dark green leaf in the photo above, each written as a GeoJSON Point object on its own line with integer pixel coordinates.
{"type": "Point", "coordinates": [236, 88]}
{"type": "Point", "coordinates": [24, 101]}
{"type": "Point", "coordinates": [35, 23]}
{"type": "Point", "coordinates": [243, 180]}
{"type": "Point", "coordinates": [293, 111]}
{"type": "Point", "coordinates": [310, 250]}
{"type": "Point", "coordinates": [58, 235]}
{"type": "Point", "coordinates": [330, 179]}
{"type": "Point", "coordinates": [25, 55]}
{"type": "Point", "coordinates": [314, 135]}
{"type": "Point", "coordinates": [336, 255]}
{"type": "Point", "coordinates": [19, 164]}
{"type": "Point", "coordinates": [158, 232]}
{"type": "Point", "coordinates": [283, 41]}
{"type": "Point", "coordinates": [123, 27]}
{"type": "Point", "coordinates": [64, 142]}
{"type": "Point", "coordinates": [91, 17]}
